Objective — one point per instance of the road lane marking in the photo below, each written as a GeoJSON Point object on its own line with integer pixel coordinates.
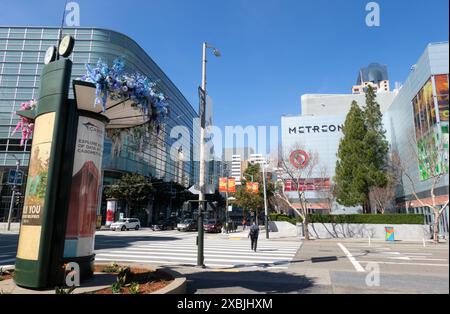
{"type": "Point", "coordinates": [412, 264]}
{"type": "Point", "coordinates": [355, 263]}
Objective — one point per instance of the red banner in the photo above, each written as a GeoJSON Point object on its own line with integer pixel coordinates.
{"type": "Point", "coordinates": [252, 187]}
{"type": "Point", "coordinates": [231, 185]}
{"type": "Point", "coordinates": [223, 185]}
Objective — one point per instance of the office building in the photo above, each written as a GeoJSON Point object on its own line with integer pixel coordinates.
{"type": "Point", "coordinates": [22, 51]}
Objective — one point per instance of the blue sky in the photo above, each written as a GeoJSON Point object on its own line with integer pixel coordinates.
{"type": "Point", "coordinates": [273, 50]}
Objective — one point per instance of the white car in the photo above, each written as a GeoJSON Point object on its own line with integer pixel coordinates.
{"type": "Point", "coordinates": [126, 224]}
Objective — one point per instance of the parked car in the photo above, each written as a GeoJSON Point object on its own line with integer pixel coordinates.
{"type": "Point", "coordinates": [187, 225]}
{"type": "Point", "coordinates": [168, 224]}
{"type": "Point", "coordinates": [213, 226]}
{"type": "Point", "coordinates": [126, 224]}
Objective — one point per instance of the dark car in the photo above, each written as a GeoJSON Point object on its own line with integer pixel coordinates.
{"type": "Point", "coordinates": [213, 226]}
{"type": "Point", "coordinates": [167, 224]}
{"type": "Point", "coordinates": [187, 225]}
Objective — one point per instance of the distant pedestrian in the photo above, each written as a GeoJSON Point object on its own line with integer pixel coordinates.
{"type": "Point", "coordinates": [253, 235]}
{"type": "Point", "coordinates": [244, 224]}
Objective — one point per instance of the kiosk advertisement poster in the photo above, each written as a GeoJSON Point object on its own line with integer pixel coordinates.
{"type": "Point", "coordinates": [33, 211]}
{"type": "Point", "coordinates": [84, 195]}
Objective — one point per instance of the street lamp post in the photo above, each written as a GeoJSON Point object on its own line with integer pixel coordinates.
{"type": "Point", "coordinates": [11, 205]}
{"type": "Point", "coordinates": [200, 257]}
{"type": "Point", "coordinates": [266, 218]}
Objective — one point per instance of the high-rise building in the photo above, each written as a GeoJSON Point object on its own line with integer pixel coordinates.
{"type": "Point", "coordinates": [22, 51]}
{"type": "Point", "coordinates": [375, 75]}
{"type": "Point", "coordinates": [235, 162]}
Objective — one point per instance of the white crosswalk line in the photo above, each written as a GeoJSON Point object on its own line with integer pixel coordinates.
{"type": "Point", "coordinates": [218, 253]}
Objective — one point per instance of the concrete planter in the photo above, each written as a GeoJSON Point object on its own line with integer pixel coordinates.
{"type": "Point", "coordinates": [178, 286]}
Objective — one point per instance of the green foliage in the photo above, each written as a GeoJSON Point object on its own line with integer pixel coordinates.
{"type": "Point", "coordinates": [368, 219]}
{"type": "Point", "coordinates": [134, 288]}
{"type": "Point", "coordinates": [116, 288]}
{"type": "Point", "coordinates": [363, 154]}
{"type": "Point", "coordinates": [132, 188]}
{"type": "Point", "coordinates": [397, 219]}
{"type": "Point", "coordinates": [62, 290]}
{"type": "Point", "coordinates": [281, 217]}
{"type": "Point", "coordinates": [111, 269]}
{"type": "Point", "coordinates": [253, 201]}
{"type": "Point", "coordinates": [377, 147]}
{"type": "Point", "coordinates": [351, 185]}
{"type": "Point", "coordinates": [122, 276]}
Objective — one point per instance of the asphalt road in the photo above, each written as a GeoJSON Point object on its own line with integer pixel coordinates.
{"type": "Point", "coordinates": [280, 266]}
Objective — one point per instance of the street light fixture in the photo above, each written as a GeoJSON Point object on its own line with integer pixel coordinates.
{"type": "Point", "coordinates": [200, 256]}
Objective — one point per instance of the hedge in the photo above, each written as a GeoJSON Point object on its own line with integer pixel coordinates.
{"type": "Point", "coordinates": [397, 219]}
{"type": "Point", "coordinates": [280, 217]}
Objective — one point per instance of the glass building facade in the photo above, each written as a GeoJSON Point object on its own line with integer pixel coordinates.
{"type": "Point", "coordinates": [417, 126]}
{"type": "Point", "coordinates": [22, 51]}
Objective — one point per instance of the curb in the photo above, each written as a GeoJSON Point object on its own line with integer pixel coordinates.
{"type": "Point", "coordinates": [178, 286]}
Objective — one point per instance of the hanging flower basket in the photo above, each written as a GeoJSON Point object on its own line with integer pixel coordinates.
{"type": "Point", "coordinates": [26, 121]}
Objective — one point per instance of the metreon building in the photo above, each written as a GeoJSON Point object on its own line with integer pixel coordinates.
{"type": "Point", "coordinates": [414, 113]}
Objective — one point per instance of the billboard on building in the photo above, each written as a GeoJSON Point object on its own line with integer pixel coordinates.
{"type": "Point", "coordinates": [431, 127]}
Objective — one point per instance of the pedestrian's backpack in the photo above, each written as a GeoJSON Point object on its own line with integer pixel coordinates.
{"type": "Point", "coordinates": [254, 231]}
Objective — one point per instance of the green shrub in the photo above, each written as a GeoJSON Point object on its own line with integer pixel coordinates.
{"type": "Point", "coordinates": [116, 288]}
{"type": "Point", "coordinates": [111, 269]}
{"type": "Point", "coordinates": [62, 290]}
{"type": "Point", "coordinates": [281, 217]}
{"type": "Point", "coordinates": [397, 219]}
{"type": "Point", "coordinates": [134, 288]}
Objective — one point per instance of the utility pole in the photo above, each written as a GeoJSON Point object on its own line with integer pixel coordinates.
{"type": "Point", "coordinates": [202, 180]}
{"type": "Point", "coordinates": [11, 205]}
{"type": "Point", "coordinates": [266, 218]}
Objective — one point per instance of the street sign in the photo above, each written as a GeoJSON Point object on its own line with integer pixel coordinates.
{"type": "Point", "coordinates": [230, 208]}
{"type": "Point", "coordinates": [15, 177]}
{"type": "Point", "coordinates": [202, 109]}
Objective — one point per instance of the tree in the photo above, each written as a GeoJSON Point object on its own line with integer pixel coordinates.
{"type": "Point", "coordinates": [299, 176]}
{"type": "Point", "coordinates": [132, 188]}
{"type": "Point", "coordinates": [376, 146]}
{"type": "Point", "coordinates": [248, 200]}
{"type": "Point", "coordinates": [352, 187]}
{"type": "Point", "coordinates": [435, 159]}
{"type": "Point", "coordinates": [382, 198]}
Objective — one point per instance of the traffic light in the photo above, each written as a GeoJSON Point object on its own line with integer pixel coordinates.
{"type": "Point", "coordinates": [17, 198]}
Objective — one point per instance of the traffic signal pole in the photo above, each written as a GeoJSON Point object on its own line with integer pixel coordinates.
{"type": "Point", "coordinates": [13, 196]}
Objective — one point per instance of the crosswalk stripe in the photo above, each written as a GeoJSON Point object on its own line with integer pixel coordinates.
{"type": "Point", "coordinates": [207, 250]}
{"type": "Point", "coordinates": [217, 246]}
{"type": "Point", "coordinates": [142, 258]}
{"type": "Point", "coordinates": [194, 254]}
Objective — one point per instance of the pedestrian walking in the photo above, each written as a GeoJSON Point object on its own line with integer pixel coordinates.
{"type": "Point", "coordinates": [244, 224]}
{"type": "Point", "coordinates": [253, 235]}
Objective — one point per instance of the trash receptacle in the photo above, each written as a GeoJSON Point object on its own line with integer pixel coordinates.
{"type": "Point", "coordinates": [390, 234]}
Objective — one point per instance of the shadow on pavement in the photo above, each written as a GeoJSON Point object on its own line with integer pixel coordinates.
{"type": "Point", "coordinates": [247, 282]}
{"type": "Point", "coordinates": [103, 242]}
{"type": "Point", "coordinates": [8, 238]}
